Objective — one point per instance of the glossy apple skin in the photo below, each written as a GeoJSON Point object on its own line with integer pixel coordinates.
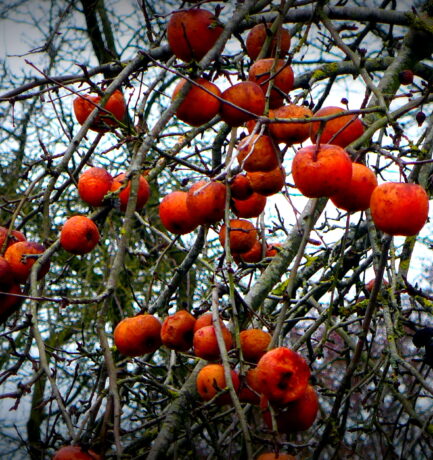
{"type": "Point", "coordinates": [6, 276]}
{"type": "Point", "coordinates": [14, 237]}
{"type": "Point", "coordinates": [249, 391]}
{"type": "Point", "coordinates": [206, 320]}
{"type": "Point", "coordinates": [274, 456]}
{"type": "Point", "coordinates": [398, 208]}
{"type": "Point", "coordinates": [282, 375]}
{"type": "Point", "coordinates": [143, 192]}
{"type": "Point", "coordinates": [321, 171]}
{"type": "Point", "coordinates": [9, 303]}
{"type": "Point", "coordinates": [79, 235]}
{"type": "Point", "coordinates": [240, 187]}
{"type": "Point", "coordinates": [358, 194]}
{"type": "Point", "coordinates": [273, 249]}
{"type": "Point", "coordinates": [340, 131]}
{"type": "Point", "coordinates": [20, 265]}
{"type": "Point", "coordinates": [253, 256]}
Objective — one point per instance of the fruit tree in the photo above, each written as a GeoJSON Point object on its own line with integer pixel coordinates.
{"type": "Point", "coordinates": [214, 234]}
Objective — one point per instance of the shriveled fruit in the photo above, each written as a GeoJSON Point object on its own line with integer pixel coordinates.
{"type": "Point", "coordinates": [192, 33]}
{"type": "Point", "coordinates": [75, 453]}
{"type": "Point", "coordinates": [282, 375]}
{"type": "Point", "coordinates": [175, 214]}
{"type": "Point", "coordinates": [198, 106]}
{"type": "Point", "coordinates": [291, 132]}
{"type": "Point", "coordinates": [242, 235]}
{"type": "Point", "coordinates": [206, 201]}
{"type": "Point", "coordinates": [322, 170]}
{"type": "Point", "coordinates": [79, 235]}
{"type": "Point", "coordinates": [246, 95]}
{"type": "Point", "coordinates": [206, 344]}
{"type": "Point", "coordinates": [177, 331]}
{"type": "Point", "coordinates": [115, 106]}
{"type": "Point", "coordinates": [240, 187]}
{"type": "Point", "coordinates": [398, 208]}
{"type": "Point", "coordinates": [14, 237]}
{"type": "Point", "coordinates": [257, 153]}
{"type": "Point", "coordinates": [298, 415]}
{"type": "Point", "coordinates": [21, 265]}
{"type": "Point", "coordinates": [143, 193]}
{"type": "Point", "coordinates": [279, 72]}
{"type": "Point", "coordinates": [268, 183]}
{"type": "Point", "coordinates": [93, 185]}
{"type": "Point", "coordinates": [340, 131]}
{"type": "Point", "coordinates": [252, 206]}
{"type": "Point", "coordinates": [211, 380]}
{"type": "Point", "coordinates": [138, 335]}
{"type": "Point", "coordinates": [254, 343]}
{"type": "Point", "coordinates": [356, 197]}
{"type": "Point", "coordinates": [257, 36]}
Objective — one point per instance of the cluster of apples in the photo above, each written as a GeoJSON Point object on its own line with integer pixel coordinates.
{"type": "Point", "coordinates": [79, 234]}
{"type": "Point", "coordinates": [141, 334]}
{"type": "Point", "coordinates": [204, 203]}
{"type": "Point", "coordinates": [326, 170]}
{"type": "Point", "coordinates": [278, 377]}
{"type": "Point", "coordinates": [322, 170]}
